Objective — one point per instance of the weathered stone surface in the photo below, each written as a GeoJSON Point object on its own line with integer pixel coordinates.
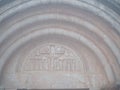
{"type": "Point", "coordinates": [59, 44]}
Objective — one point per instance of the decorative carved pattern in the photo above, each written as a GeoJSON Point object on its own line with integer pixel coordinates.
{"type": "Point", "coordinates": [53, 57]}
{"type": "Point", "coordinates": [44, 61]}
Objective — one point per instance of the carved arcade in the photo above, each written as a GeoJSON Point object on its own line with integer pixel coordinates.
{"type": "Point", "coordinates": [53, 57]}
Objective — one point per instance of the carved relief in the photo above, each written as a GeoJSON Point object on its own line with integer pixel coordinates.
{"type": "Point", "coordinates": [58, 63]}
{"type": "Point", "coordinates": [52, 57]}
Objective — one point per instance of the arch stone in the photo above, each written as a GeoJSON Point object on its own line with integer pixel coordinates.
{"type": "Point", "coordinates": [59, 44]}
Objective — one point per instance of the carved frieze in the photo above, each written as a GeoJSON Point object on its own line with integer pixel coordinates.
{"type": "Point", "coordinates": [53, 57]}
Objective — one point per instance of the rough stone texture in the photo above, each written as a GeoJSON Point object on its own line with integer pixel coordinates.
{"type": "Point", "coordinates": [59, 44]}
